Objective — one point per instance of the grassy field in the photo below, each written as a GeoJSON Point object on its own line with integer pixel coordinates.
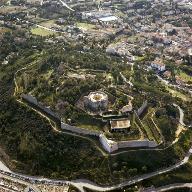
{"type": "Point", "coordinates": [150, 128]}
{"type": "Point", "coordinates": [11, 9]}
{"type": "Point", "coordinates": [185, 77]}
{"type": "Point", "coordinates": [41, 32]}
{"type": "Point", "coordinates": [178, 94]}
{"type": "Point", "coordinates": [4, 30]}
{"type": "Point", "coordinates": [90, 123]}
{"type": "Point", "coordinates": [48, 23]}
{"type": "Point", "coordinates": [85, 26]}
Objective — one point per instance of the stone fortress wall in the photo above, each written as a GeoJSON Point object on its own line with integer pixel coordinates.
{"type": "Point", "coordinates": [109, 145]}
{"type": "Point", "coordinates": [78, 130]}
{"type": "Point", "coordinates": [142, 108]}
{"type": "Point", "coordinates": [33, 100]}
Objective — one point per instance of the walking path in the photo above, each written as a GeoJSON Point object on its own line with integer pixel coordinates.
{"type": "Point", "coordinates": [174, 86]}
{"type": "Point", "coordinates": [181, 114]}
{"type": "Point", "coordinates": [181, 126]}
{"type": "Point", "coordinates": [49, 29]}
{"type": "Point", "coordinates": [65, 132]}
{"type": "Point", "coordinates": [125, 79]}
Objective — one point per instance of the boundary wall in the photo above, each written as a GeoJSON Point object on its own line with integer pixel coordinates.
{"type": "Point", "coordinates": [109, 145]}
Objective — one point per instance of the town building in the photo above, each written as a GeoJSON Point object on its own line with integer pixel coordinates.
{"type": "Point", "coordinates": [167, 74]}
{"type": "Point", "coordinates": [127, 108]}
{"type": "Point", "coordinates": [108, 18]}
{"type": "Point", "coordinates": [35, 2]}
{"type": "Point", "coordinates": [158, 64]}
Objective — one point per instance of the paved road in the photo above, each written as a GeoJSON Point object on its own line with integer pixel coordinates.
{"type": "Point", "coordinates": [80, 184]}
{"type": "Point", "coordinates": [20, 181]}
{"type": "Point", "coordinates": [83, 183]}
{"type": "Point", "coordinates": [174, 86]}
{"type": "Point", "coordinates": [4, 167]}
{"type": "Point", "coordinates": [169, 187]}
{"type": "Point", "coordinates": [65, 5]}
{"type": "Point", "coordinates": [175, 186]}
{"type": "Point", "coordinates": [67, 133]}
{"type": "Point", "coordinates": [49, 29]}
{"type": "Point", "coordinates": [181, 112]}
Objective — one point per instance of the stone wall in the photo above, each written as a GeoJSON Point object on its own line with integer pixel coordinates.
{"type": "Point", "coordinates": [78, 130]}
{"type": "Point", "coordinates": [136, 143]}
{"type": "Point", "coordinates": [109, 145]}
{"type": "Point", "coordinates": [142, 108]}
{"type": "Point", "coordinates": [32, 100]}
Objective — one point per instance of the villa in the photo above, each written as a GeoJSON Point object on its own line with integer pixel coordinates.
{"type": "Point", "coordinates": [158, 64]}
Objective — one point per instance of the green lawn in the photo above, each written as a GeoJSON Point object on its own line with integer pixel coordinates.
{"type": "Point", "coordinates": [4, 30]}
{"type": "Point", "coordinates": [87, 122]}
{"type": "Point", "coordinates": [48, 23]}
{"type": "Point", "coordinates": [85, 26]}
{"type": "Point", "coordinates": [185, 77]}
{"type": "Point", "coordinates": [178, 94]}
{"type": "Point", "coordinates": [41, 32]}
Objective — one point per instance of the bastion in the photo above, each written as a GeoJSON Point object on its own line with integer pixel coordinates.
{"type": "Point", "coordinates": [96, 101]}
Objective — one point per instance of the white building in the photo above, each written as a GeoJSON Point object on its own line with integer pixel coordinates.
{"type": "Point", "coordinates": [190, 51]}
{"type": "Point", "coordinates": [108, 18]}
{"type": "Point", "coordinates": [35, 2]}
{"type": "Point", "coordinates": [157, 64]}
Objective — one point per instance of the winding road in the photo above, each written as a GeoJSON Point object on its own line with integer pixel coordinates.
{"type": "Point", "coordinates": [170, 187]}
{"type": "Point", "coordinates": [81, 184]}
{"type": "Point", "coordinates": [181, 116]}
{"type": "Point", "coordinates": [65, 5]}
{"type": "Point", "coordinates": [174, 86]}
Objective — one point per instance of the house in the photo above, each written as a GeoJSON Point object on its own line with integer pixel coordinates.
{"type": "Point", "coordinates": [127, 108]}
{"type": "Point", "coordinates": [190, 51]}
{"type": "Point", "coordinates": [167, 74]}
{"type": "Point", "coordinates": [120, 125]}
{"type": "Point", "coordinates": [179, 81]}
{"type": "Point", "coordinates": [35, 2]}
{"type": "Point", "coordinates": [158, 64]}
